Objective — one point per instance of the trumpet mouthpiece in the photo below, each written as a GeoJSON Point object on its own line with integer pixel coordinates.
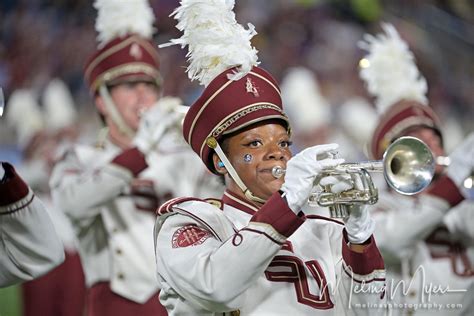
{"type": "Point", "coordinates": [278, 172]}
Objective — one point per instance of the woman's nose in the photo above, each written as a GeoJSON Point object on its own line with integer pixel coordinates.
{"type": "Point", "coordinates": [275, 152]}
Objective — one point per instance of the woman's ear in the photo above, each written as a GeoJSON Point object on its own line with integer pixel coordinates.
{"type": "Point", "coordinates": [218, 165]}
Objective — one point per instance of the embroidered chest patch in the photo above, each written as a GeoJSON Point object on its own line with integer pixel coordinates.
{"type": "Point", "coordinates": [189, 235]}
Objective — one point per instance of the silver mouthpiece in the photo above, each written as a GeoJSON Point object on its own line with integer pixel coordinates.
{"type": "Point", "coordinates": [278, 172]}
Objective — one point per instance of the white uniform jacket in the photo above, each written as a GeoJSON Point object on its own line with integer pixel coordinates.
{"type": "Point", "coordinates": [237, 259]}
{"type": "Point", "coordinates": [428, 247]}
{"type": "Point", "coordinates": [36, 174]}
{"type": "Point", "coordinates": [111, 197]}
{"type": "Point", "coordinates": [29, 245]}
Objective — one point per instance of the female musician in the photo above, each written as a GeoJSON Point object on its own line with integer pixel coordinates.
{"type": "Point", "coordinates": [255, 251]}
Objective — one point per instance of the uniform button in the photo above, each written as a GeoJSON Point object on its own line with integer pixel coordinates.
{"type": "Point", "coordinates": [121, 276]}
{"type": "Point", "coordinates": [412, 294]}
{"type": "Point", "coordinates": [118, 251]}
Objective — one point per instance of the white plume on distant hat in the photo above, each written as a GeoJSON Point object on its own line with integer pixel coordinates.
{"type": "Point", "coordinates": [118, 18]}
{"type": "Point", "coordinates": [59, 108]}
{"type": "Point", "coordinates": [453, 133]}
{"type": "Point", "coordinates": [304, 104]}
{"type": "Point", "coordinates": [390, 71]}
{"type": "Point", "coordinates": [359, 119]}
{"type": "Point", "coordinates": [216, 42]}
{"type": "Point", "coordinates": [24, 115]}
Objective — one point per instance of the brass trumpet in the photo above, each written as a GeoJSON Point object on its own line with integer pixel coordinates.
{"type": "Point", "coordinates": [408, 167]}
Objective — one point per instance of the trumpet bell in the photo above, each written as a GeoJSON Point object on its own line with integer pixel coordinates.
{"type": "Point", "coordinates": [409, 165]}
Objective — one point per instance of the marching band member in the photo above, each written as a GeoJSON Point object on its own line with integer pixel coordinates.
{"type": "Point", "coordinates": [426, 239]}
{"type": "Point", "coordinates": [29, 244]}
{"type": "Point", "coordinates": [111, 191]}
{"type": "Point", "coordinates": [255, 252]}
{"type": "Point", "coordinates": [41, 134]}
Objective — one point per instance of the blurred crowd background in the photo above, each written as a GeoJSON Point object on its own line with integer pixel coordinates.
{"type": "Point", "coordinates": [43, 39]}
{"type": "Point", "coordinates": [46, 39]}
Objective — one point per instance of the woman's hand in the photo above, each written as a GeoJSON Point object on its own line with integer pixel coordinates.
{"type": "Point", "coordinates": [302, 170]}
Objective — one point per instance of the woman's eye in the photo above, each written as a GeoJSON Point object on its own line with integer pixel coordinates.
{"type": "Point", "coordinates": [285, 144]}
{"type": "Point", "coordinates": [254, 143]}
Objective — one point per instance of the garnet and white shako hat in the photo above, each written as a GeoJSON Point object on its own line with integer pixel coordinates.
{"type": "Point", "coordinates": [399, 119]}
{"type": "Point", "coordinates": [125, 50]}
{"type": "Point", "coordinates": [227, 106]}
{"type": "Point", "coordinates": [392, 77]}
{"type": "Point", "coordinates": [237, 92]}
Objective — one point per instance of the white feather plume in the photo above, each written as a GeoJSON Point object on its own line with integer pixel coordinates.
{"type": "Point", "coordinates": [59, 108]}
{"type": "Point", "coordinates": [304, 104]}
{"type": "Point", "coordinates": [216, 42]}
{"type": "Point", "coordinates": [117, 18]}
{"type": "Point", "coordinates": [358, 118]}
{"type": "Point", "coordinates": [390, 71]}
{"type": "Point", "coordinates": [24, 115]}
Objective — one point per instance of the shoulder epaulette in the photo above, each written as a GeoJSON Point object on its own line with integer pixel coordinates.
{"type": "Point", "coordinates": [216, 202]}
{"type": "Point", "coordinates": [167, 206]}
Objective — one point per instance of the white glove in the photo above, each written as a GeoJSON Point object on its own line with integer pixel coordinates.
{"type": "Point", "coordinates": [337, 183]}
{"type": "Point", "coordinates": [462, 162]}
{"type": "Point", "coordinates": [155, 124]}
{"type": "Point", "coordinates": [302, 170]}
{"type": "Point", "coordinates": [359, 225]}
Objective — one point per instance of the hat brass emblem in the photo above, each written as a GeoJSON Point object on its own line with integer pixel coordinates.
{"type": "Point", "coordinates": [211, 142]}
{"type": "Point", "coordinates": [135, 51]}
{"type": "Point", "coordinates": [251, 88]}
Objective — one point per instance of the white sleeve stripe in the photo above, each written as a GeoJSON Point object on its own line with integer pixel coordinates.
{"type": "Point", "coordinates": [262, 233]}
{"type": "Point", "coordinates": [376, 275]}
{"type": "Point", "coordinates": [269, 230]}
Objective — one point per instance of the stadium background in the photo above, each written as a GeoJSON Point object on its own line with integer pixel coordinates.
{"type": "Point", "coordinates": [43, 39]}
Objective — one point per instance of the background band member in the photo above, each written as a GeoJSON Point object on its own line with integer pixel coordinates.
{"type": "Point", "coordinates": [426, 239]}
{"type": "Point", "coordinates": [42, 135]}
{"type": "Point", "coordinates": [29, 244]}
{"type": "Point", "coordinates": [111, 190]}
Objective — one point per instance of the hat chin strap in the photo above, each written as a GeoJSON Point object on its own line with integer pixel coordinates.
{"type": "Point", "coordinates": [114, 113]}
{"type": "Point", "coordinates": [248, 194]}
